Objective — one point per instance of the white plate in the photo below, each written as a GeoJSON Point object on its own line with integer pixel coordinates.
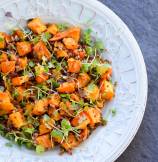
{"type": "Point", "coordinates": [106, 143]}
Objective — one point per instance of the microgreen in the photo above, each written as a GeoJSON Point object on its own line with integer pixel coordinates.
{"type": "Point", "coordinates": [35, 40]}
{"type": "Point", "coordinates": [89, 50]}
{"type": "Point", "coordinates": [99, 46]}
{"type": "Point", "coordinates": [1, 39]}
{"type": "Point", "coordinates": [87, 37]}
{"type": "Point", "coordinates": [9, 144]}
{"type": "Point", "coordinates": [45, 36]}
{"type": "Point", "coordinates": [39, 149]}
{"type": "Point", "coordinates": [31, 64]}
{"type": "Point", "coordinates": [113, 111]}
{"type": "Point", "coordinates": [62, 27]}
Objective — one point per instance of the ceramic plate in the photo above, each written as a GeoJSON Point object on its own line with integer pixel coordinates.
{"type": "Point", "coordinates": [106, 143]}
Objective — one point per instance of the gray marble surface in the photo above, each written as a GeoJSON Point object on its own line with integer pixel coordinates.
{"type": "Point", "coordinates": [141, 16]}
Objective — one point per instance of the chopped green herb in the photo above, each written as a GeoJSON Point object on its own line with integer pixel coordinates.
{"type": "Point", "coordinates": [67, 96]}
{"type": "Point", "coordinates": [45, 36]}
{"type": "Point", "coordinates": [15, 93]}
{"type": "Point", "coordinates": [1, 39]}
{"type": "Point", "coordinates": [99, 46]}
{"type": "Point", "coordinates": [31, 64]}
{"type": "Point", "coordinates": [62, 27]}
{"type": "Point", "coordinates": [29, 130]}
{"type": "Point", "coordinates": [113, 110]}
{"type": "Point", "coordinates": [35, 40]}
{"type": "Point", "coordinates": [39, 149]}
{"type": "Point", "coordinates": [9, 144]}
{"type": "Point", "coordinates": [57, 134]}
{"type": "Point", "coordinates": [89, 50]}
{"type": "Point", "coordinates": [87, 37]}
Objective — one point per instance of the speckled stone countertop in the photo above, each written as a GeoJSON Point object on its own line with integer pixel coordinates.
{"type": "Point", "coordinates": [141, 16]}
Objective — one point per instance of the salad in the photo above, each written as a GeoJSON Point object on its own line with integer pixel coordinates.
{"type": "Point", "coordinates": [54, 84]}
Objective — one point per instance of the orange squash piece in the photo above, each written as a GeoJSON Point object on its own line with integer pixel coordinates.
{"type": "Point", "coordinates": [20, 34]}
{"type": "Point", "coordinates": [53, 29]}
{"type": "Point", "coordinates": [22, 63]}
{"type": "Point", "coordinates": [74, 66]}
{"type": "Point", "coordinates": [40, 107]}
{"type": "Point", "coordinates": [45, 141]}
{"type": "Point", "coordinates": [17, 119]}
{"type": "Point", "coordinates": [3, 57]}
{"type": "Point", "coordinates": [23, 48]}
{"type": "Point", "coordinates": [70, 143]}
{"type": "Point", "coordinates": [70, 43]}
{"type": "Point", "coordinates": [106, 90]}
{"type": "Point", "coordinates": [2, 41]}
{"type": "Point", "coordinates": [7, 67]}
{"type": "Point", "coordinates": [37, 26]}
{"type": "Point", "coordinates": [42, 78]}
{"type": "Point", "coordinates": [6, 107]}
{"type": "Point", "coordinates": [66, 87]}
{"type": "Point", "coordinates": [73, 32]}
{"type": "Point", "coordinates": [20, 91]}
{"type": "Point", "coordinates": [41, 50]}
{"type": "Point", "coordinates": [18, 81]}
{"type": "Point", "coordinates": [61, 53]}
{"type": "Point", "coordinates": [80, 121]}
{"type": "Point", "coordinates": [92, 92]}
{"type": "Point", "coordinates": [83, 79]}
{"type": "Point", "coordinates": [94, 115]}
{"type": "Point", "coordinates": [54, 100]}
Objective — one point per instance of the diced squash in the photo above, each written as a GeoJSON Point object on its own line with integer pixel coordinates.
{"type": "Point", "coordinates": [37, 26]}
{"type": "Point", "coordinates": [107, 74]}
{"type": "Point", "coordinates": [45, 141]}
{"type": "Point", "coordinates": [54, 100]}
{"type": "Point", "coordinates": [74, 66]}
{"type": "Point", "coordinates": [70, 143]}
{"type": "Point", "coordinates": [7, 67]}
{"type": "Point", "coordinates": [61, 53]}
{"type": "Point", "coordinates": [41, 78]}
{"type": "Point", "coordinates": [79, 53]}
{"type": "Point", "coordinates": [17, 119]}
{"type": "Point", "coordinates": [22, 63]}
{"type": "Point", "coordinates": [71, 33]}
{"type": "Point", "coordinates": [103, 69]}
{"type": "Point", "coordinates": [92, 92]}
{"type": "Point", "coordinates": [6, 108]}
{"type": "Point", "coordinates": [106, 90]}
{"type": "Point", "coordinates": [66, 87]}
{"type": "Point", "coordinates": [29, 108]}
{"type": "Point", "coordinates": [20, 34]}
{"type": "Point", "coordinates": [23, 48]}
{"type": "Point", "coordinates": [80, 121]}
{"type": "Point", "coordinates": [40, 107]}
{"type": "Point", "coordinates": [3, 57]}
{"type": "Point", "coordinates": [20, 93]}
{"type": "Point", "coordinates": [6, 36]}
{"type": "Point", "coordinates": [75, 97]}
{"type": "Point", "coordinates": [2, 41]}
{"type": "Point", "coordinates": [54, 113]}
{"type": "Point", "coordinates": [53, 29]}
{"type": "Point", "coordinates": [84, 134]}
{"type": "Point", "coordinates": [46, 126]}
{"type": "Point", "coordinates": [83, 79]}
{"type": "Point", "coordinates": [70, 43]}
{"type": "Point", "coordinates": [4, 97]}
{"type": "Point", "coordinates": [18, 81]}
{"type": "Point", "coordinates": [94, 115]}
{"type": "Point", "coordinates": [41, 50]}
